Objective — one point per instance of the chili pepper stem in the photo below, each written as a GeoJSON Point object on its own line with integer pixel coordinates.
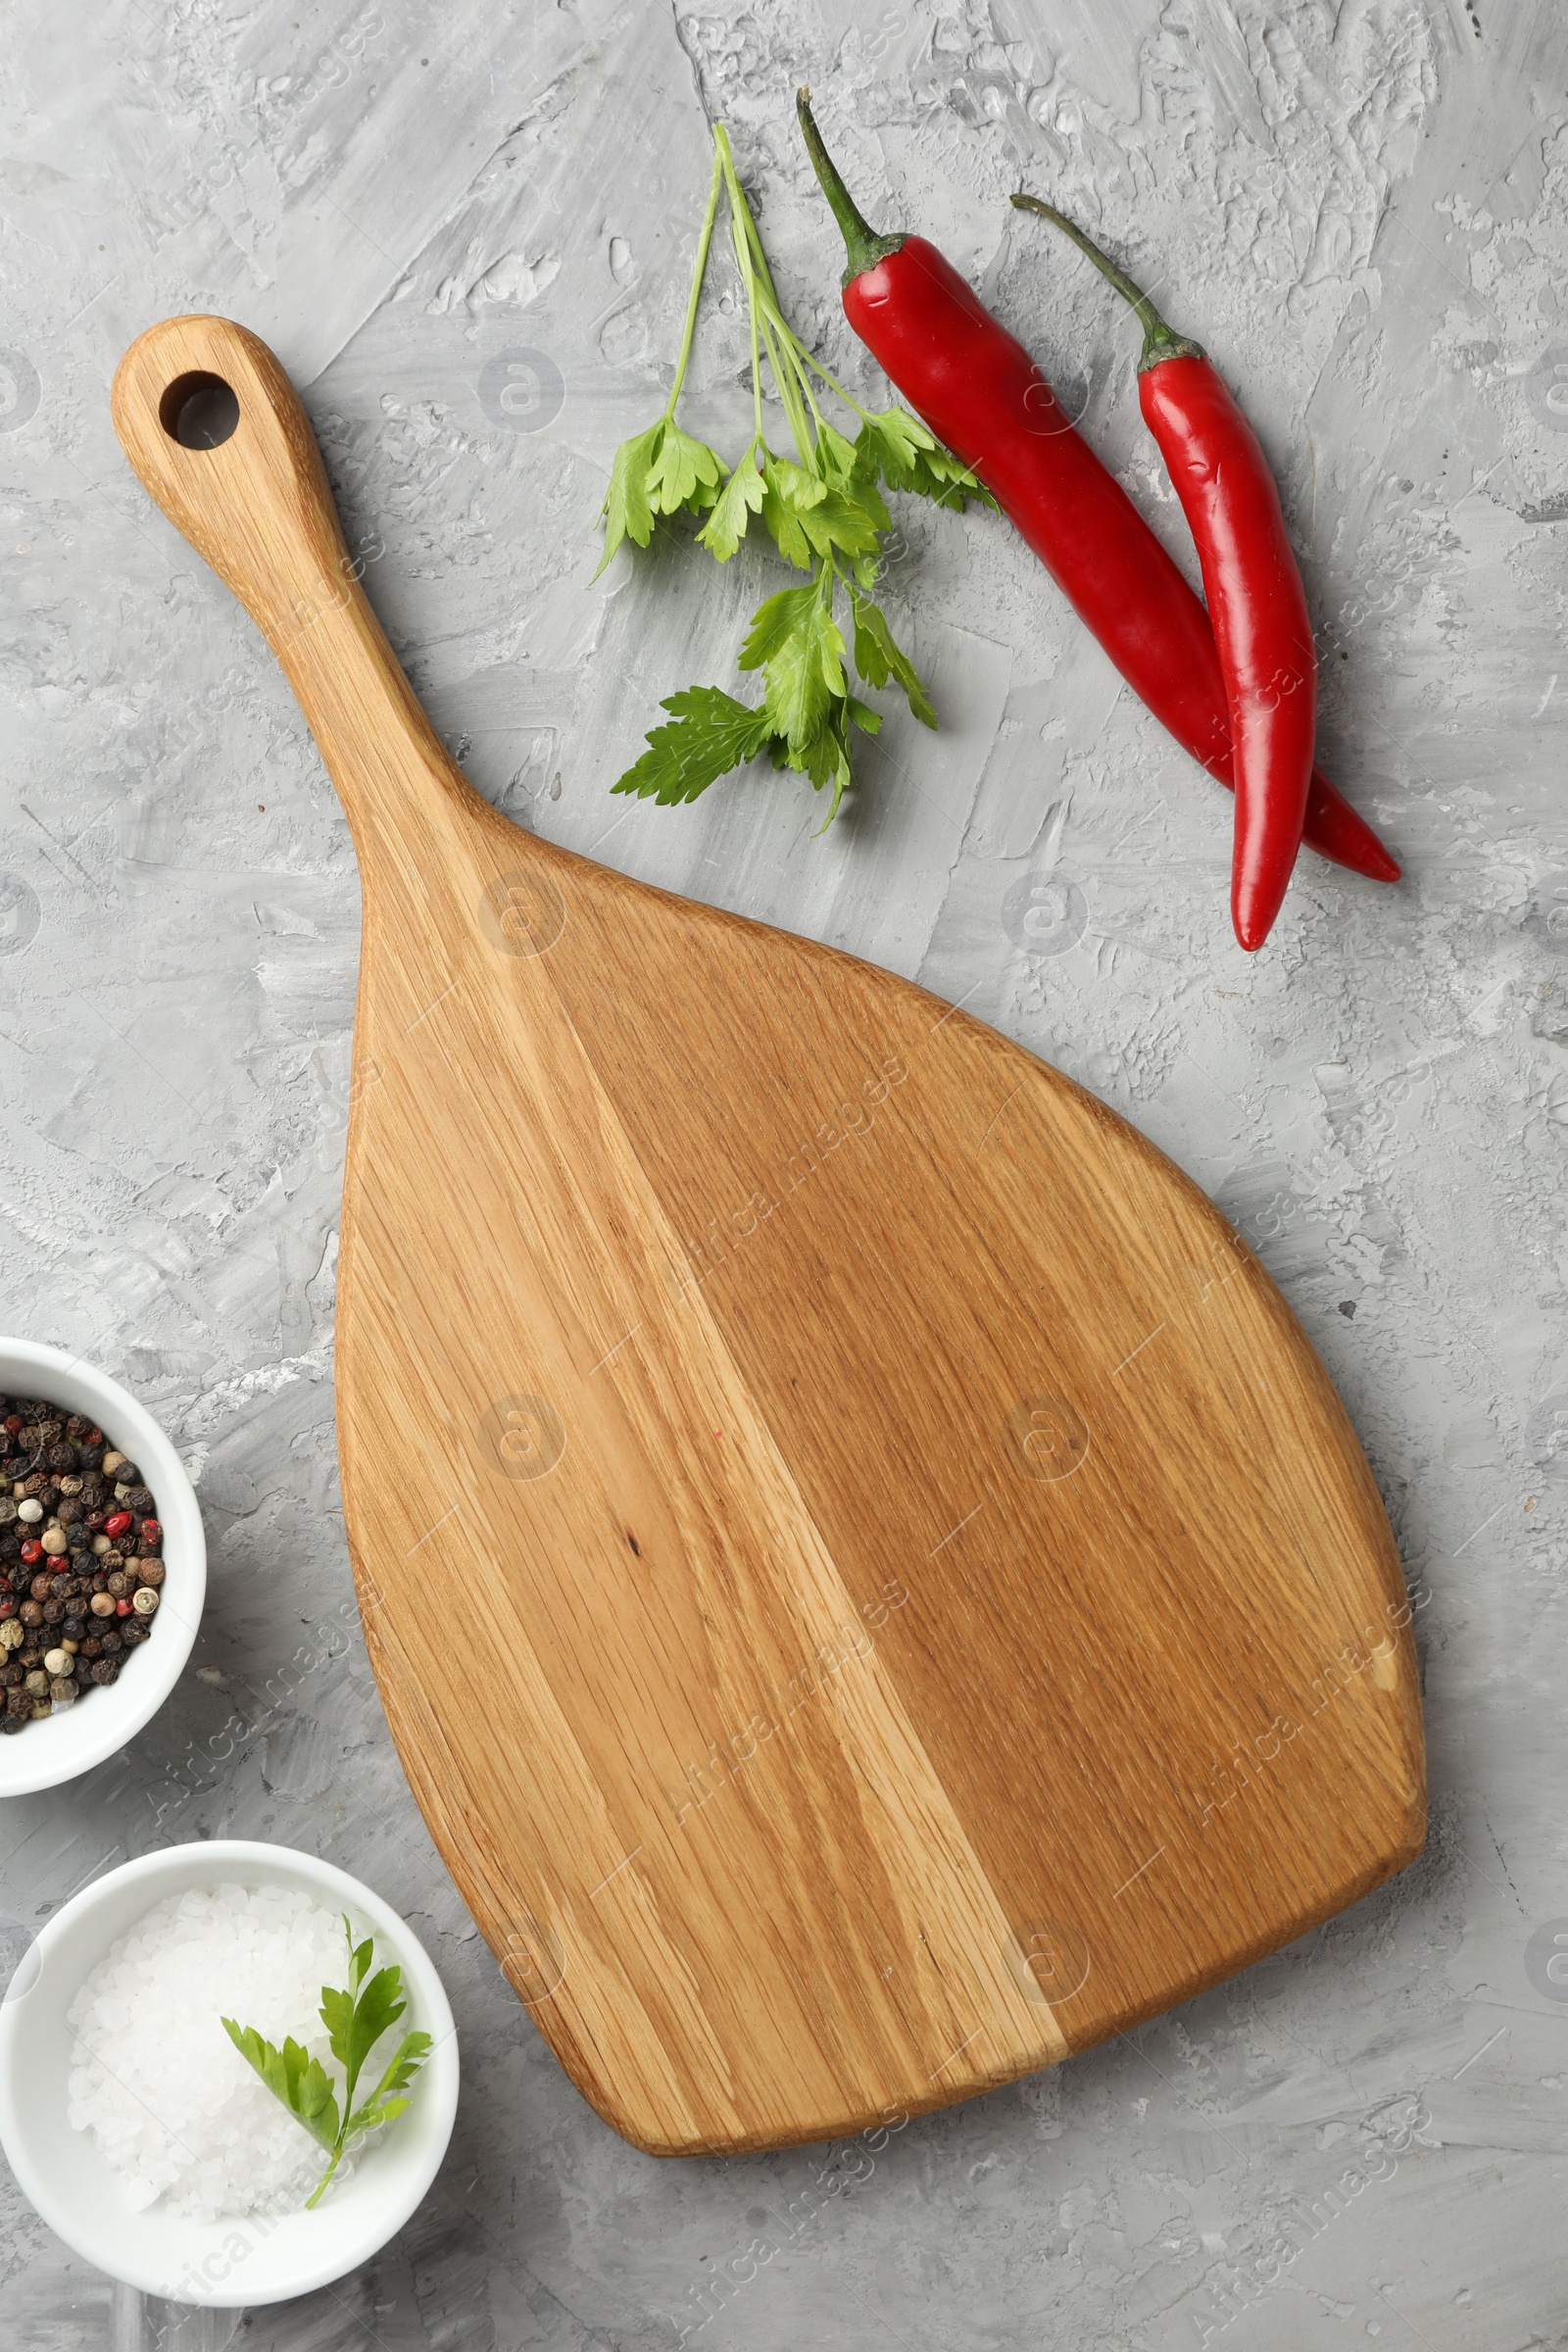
{"type": "Point", "coordinates": [1160, 342]}
{"type": "Point", "coordinates": [862, 242]}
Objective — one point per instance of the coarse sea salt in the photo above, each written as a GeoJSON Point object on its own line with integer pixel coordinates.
{"type": "Point", "coordinates": [172, 2105]}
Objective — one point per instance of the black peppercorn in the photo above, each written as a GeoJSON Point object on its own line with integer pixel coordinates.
{"type": "Point", "coordinates": [55, 1461]}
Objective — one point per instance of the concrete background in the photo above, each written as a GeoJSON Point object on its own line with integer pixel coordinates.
{"type": "Point", "coordinates": [1360, 205]}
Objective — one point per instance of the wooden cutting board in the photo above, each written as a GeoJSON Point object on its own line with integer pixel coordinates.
{"type": "Point", "coordinates": [871, 1587]}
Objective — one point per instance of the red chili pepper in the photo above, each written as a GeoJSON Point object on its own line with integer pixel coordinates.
{"type": "Point", "coordinates": [1257, 603]}
{"type": "Point", "coordinates": [981, 393]}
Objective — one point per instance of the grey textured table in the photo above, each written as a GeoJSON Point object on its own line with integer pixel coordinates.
{"type": "Point", "coordinates": [468, 231]}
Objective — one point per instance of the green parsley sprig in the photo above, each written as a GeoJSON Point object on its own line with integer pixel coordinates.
{"type": "Point", "coordinates": [355, 2018]}
{"type": "Point", "coordinates": [824, 512]}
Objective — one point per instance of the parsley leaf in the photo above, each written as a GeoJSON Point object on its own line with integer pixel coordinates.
{"type": "Point", "coordinates": [796, 643]}
{"type": "Point", "coordinates": [626, 510]}
{"type": "Point", "coordinates": [788, 492]}
{"type": "Point", "coordinates": [657, 473]}
{"type": "Point", "coordinates": [837, 457]}
{"type": "Point", "coordinates": [824, 510]}
{"type": "Point", "coordinates": [740, 499]}
{"type": "Point", "coordinates": [709, 733]}
{"type": "Point", "coordinates": [807, 518]}
{"type": "Point", "coordinates": [356, 2017]}
{"type": "Point", "coordinates": [291, 2075]}
{"type": "Point", "coordinates": [808, 708]}
{"type": "Point", "coordinates": [357, 2023]}
{"type": "Point", "coordinates": [683, 473]}
{"type": "Point", "coordinates": [908, 456]}
{"type": "Point", "coordinates": [383, 2106]}
{"type": "Point", "coordinates": [878, 656]}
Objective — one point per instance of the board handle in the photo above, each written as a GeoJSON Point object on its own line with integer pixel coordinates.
{"type": "Point", "coordinates": [216, 431]}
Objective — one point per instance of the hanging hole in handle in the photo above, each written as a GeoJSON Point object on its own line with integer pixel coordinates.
{"type": "Point", "coordinates": [199, 411]}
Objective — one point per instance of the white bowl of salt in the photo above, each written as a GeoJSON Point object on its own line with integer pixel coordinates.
{"type": "Point", "coordinates": [143, 2134]}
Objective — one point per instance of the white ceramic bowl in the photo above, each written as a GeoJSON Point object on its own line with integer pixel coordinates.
{"type": "Point", "coordinates": [228, 2262]}
{"type": "Point", "coordinates": [77, 1737]}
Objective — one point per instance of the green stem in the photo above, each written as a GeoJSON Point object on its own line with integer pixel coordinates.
{"type": "Point", "coordinates": [319, 2190]}
{"type": "Point", "coordinates": [753, 238]}
{"type": "Point", "coordinates": [763, 302]}
{"type": "Point", "coordinates": [705, 238]}
{"type": "Point", "coordinates": [861, 241]}
{"type": "Point", "coordinates": [789, 394]}
{"type": "Point", "coordinates": [761, 294]}
{"type": "Point", "coordinates": [724, 166]}
{"type": "Point", "coordinates": [832, 381]}
{"type": "Point", "coordinates": [794, 352]}
{"type": "Point", "coordinates": [757, 353]}
{"type": "Point", "coordinates": [1160, 342]}
{"type": "Point", "coordinates": [809, 358]}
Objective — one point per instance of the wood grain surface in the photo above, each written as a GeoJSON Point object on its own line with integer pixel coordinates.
{"type": "Point", "coordinates": [928, 1607]}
